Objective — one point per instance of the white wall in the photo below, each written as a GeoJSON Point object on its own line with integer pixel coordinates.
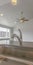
{"type": "Point", "coordinates": [28, 37]}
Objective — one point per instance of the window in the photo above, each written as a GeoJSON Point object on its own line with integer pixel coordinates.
{"type": "Point", "coordinates": [4, 35]}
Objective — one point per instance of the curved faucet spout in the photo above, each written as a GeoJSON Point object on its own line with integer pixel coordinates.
{"type": "Point", "coordinates": [14, 35]}
{"type": "Point", "coordinates": [20, 34]}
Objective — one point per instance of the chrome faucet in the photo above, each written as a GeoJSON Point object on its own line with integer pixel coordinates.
{"type": "Point", "coordinates": [20, 39]}
{"type": "Point", "coordinates": [20, 34]}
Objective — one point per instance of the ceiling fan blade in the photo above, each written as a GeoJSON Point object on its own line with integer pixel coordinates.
{"type": "Point", "coordinates": [26, 20]}
{"type": "Point", "coordinates": [22, 20]}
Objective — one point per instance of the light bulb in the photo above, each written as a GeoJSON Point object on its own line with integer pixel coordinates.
{"type": "Point", "coordinates": [21, 21]}
{"type": "Point", "coordinates": [14, 2]}
{"type": "Point", "coordinates": [1, 14]}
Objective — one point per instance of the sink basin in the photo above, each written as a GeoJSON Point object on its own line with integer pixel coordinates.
{"type": "Point", "coordinates": [6, 60]}
{"type": "Point", "coordinates": [11, 62]}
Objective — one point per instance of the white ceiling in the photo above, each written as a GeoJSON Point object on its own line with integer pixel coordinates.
{"type": "Point", "coordinates": [2, 2]}
{"type": "Point", "coordinates": [11, 13]}
{"type": "Point", "coordinates": [25, 5]}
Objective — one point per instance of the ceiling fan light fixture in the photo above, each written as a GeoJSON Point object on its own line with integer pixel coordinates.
{"type": "Point", "coordinates": [14, 2]}
{"type": "Point", "coordinates": [21, 21]}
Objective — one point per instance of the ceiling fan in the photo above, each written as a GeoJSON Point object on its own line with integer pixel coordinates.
{"type": "Point", "coordinates": [22, 19]}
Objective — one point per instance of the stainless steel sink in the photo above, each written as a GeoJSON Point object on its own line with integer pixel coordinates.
{"type": "Point", "coordinates": [5, 60]}
{"type": "Point", "coordinates": [11, 62]}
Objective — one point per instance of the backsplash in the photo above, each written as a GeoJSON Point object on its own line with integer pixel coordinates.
{"type": "Point", "coordinates": [24, 44]}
